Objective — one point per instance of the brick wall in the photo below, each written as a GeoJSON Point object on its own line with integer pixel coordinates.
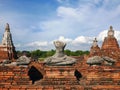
{"type": "Point", "coordinates": [14, 76]}
{"type": "Point", "coordinates": [92, 78]}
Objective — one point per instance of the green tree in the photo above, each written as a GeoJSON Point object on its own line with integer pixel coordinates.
{"type": "Point", "coordinates": [36, 54]}
{"type": "Point", "coordinates": [68, 52]}
{"type": "Point", "coordinates": [50, 53]}
{"type": "Point", "coordinates": [86, 52]}
{"type": "Point", "coordinates": [43, 54]}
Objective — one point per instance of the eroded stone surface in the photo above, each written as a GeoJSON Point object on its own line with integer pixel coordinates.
{"type": "Point", "coordinates": [110, 42]}
{"type": "Point", "coordinates": [7, 49]}
{"type": "Point", "coordinates": [109, 51]}
{"type": "Point", "coordinates": [97, 77]}
{"type": "Point", "coordinates": [59, 59]}
{"type": "Point", "coordinates": [23, 60]}
{"type": "Point", "coordinates": [95, 49]}
{"type": "Point", "coordinates": [97, 60]}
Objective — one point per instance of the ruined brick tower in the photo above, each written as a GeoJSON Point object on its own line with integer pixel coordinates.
{"type": "Point", "coordinates": [110, 42]}
{"type": "Point", "coordinates": [7, 49]}
{"type": "Point", "coordinates": [95, 49]}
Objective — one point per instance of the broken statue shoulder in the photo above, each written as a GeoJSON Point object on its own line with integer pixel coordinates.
{"type": "Point", "coordinates": [97, 60]}
{"type": "Point", "coordinates": [59, 58]}
{"type": "Point", "coordinates": [21, 61]}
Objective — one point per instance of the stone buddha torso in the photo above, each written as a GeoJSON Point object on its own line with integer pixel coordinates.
{"type": "Point", "coordinates": [59, 58]}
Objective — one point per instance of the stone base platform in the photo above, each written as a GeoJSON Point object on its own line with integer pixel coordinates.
{"type": "Point", "coordinates": [58, 75]}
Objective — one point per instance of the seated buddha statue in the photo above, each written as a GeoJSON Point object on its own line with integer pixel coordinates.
{"type": "Point", "coordinates": [59, 58]}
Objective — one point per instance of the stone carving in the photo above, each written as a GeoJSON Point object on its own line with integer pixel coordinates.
{"type": "Point", "coordinates": [95, 43]}
{"type": "Point", "coordinates": [95, 49]}
{"type": "Point", "coordinates": [97, 60]}
{"type": "Point", "coordinates": [23, 60]}
{"type": "Point", "coordinates": [7, 49]}
{"type": "Point", "coordinates": [7, 37]}
{"type": "Point", "coordinates": [111, 32]}
{"type": "Point", "coordinates": [59, 58]}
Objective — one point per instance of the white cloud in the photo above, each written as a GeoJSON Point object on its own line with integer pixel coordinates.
{"type": "Point", "coordinates": [78, 14]}
{"type": "Point", "coordinates": [62, 38]}
{"type": "Point", "coordinates": [67, 12]}
{"type": "Point", "coordinates": [97, 1]}
{"type": "Point", "coordinates": [78, 43]}
{"type": "Point", "coordinates": [102, 35]}
{"type": "Point", "coordinates": [117, 35]}
{"type": "Point", "coordinates": [77, 40]}
{"type": "Point", "coordinates": [17, 45]}
{"type": "Point", "coordinates": [62, 1]}
{"type": "Point", "coordinates": [71, 43]}
{"type": "Point", "coordinates": [81, 23]}
{"type": "Point", "coordinates": [84, 19]}
{"type": "Point", "coordinates": [37, 44]}
{"type": "Point", "coordinates": [82, 40]}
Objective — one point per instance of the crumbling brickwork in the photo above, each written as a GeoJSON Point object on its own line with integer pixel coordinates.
{"type": "Point", "coordinates": [14, 76]}
{"type": "Point", "coordinates": [80, 76]}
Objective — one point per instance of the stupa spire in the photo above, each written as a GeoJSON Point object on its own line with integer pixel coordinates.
{"type": "Point", "coordinates": [7, 37]}
{"type": "Point", "coordinates": [95, 42]}
{"type": "Point", "coordinates": [7, 50]}
{"type": "Point", "coordinates": [110, 42]}
{"type": "Point", "coordinates": [95, 49]}
{"type": "Point", "coordinates": [7, 28]}
{"type": "Point", "coordinates": [111, 28]}
{"type": "Point", "coordinates": [111, 32]}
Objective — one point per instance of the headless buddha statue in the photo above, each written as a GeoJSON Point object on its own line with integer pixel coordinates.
{"type": "Point", "coordinates": [59, 58]}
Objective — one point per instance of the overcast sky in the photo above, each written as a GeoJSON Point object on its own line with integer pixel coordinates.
{"type": "Point", "coordinates": [35, 24]}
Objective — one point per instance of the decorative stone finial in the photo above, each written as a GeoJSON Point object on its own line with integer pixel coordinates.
{"type": "Point", "coordinates": [7, 27]}
{"type": "Point", "coordinates": [59, 58]}
{"type": "Point", "coordinates": [95, 42]}
{"type": "Point", "coordinates": [111, 28]}
{"type": "Point", "coordinates": [7, 37]}
{"type": "Point", "coordinates": [111, 32]}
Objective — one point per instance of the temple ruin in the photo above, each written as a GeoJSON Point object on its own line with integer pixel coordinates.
{"type": "Point", "coordinates": [100, 70]}
{"type": "Point", "coordinates": [7, 49]}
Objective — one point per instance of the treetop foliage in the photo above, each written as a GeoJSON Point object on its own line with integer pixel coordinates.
{"type": "Point", "coordinates": [43, 54]}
